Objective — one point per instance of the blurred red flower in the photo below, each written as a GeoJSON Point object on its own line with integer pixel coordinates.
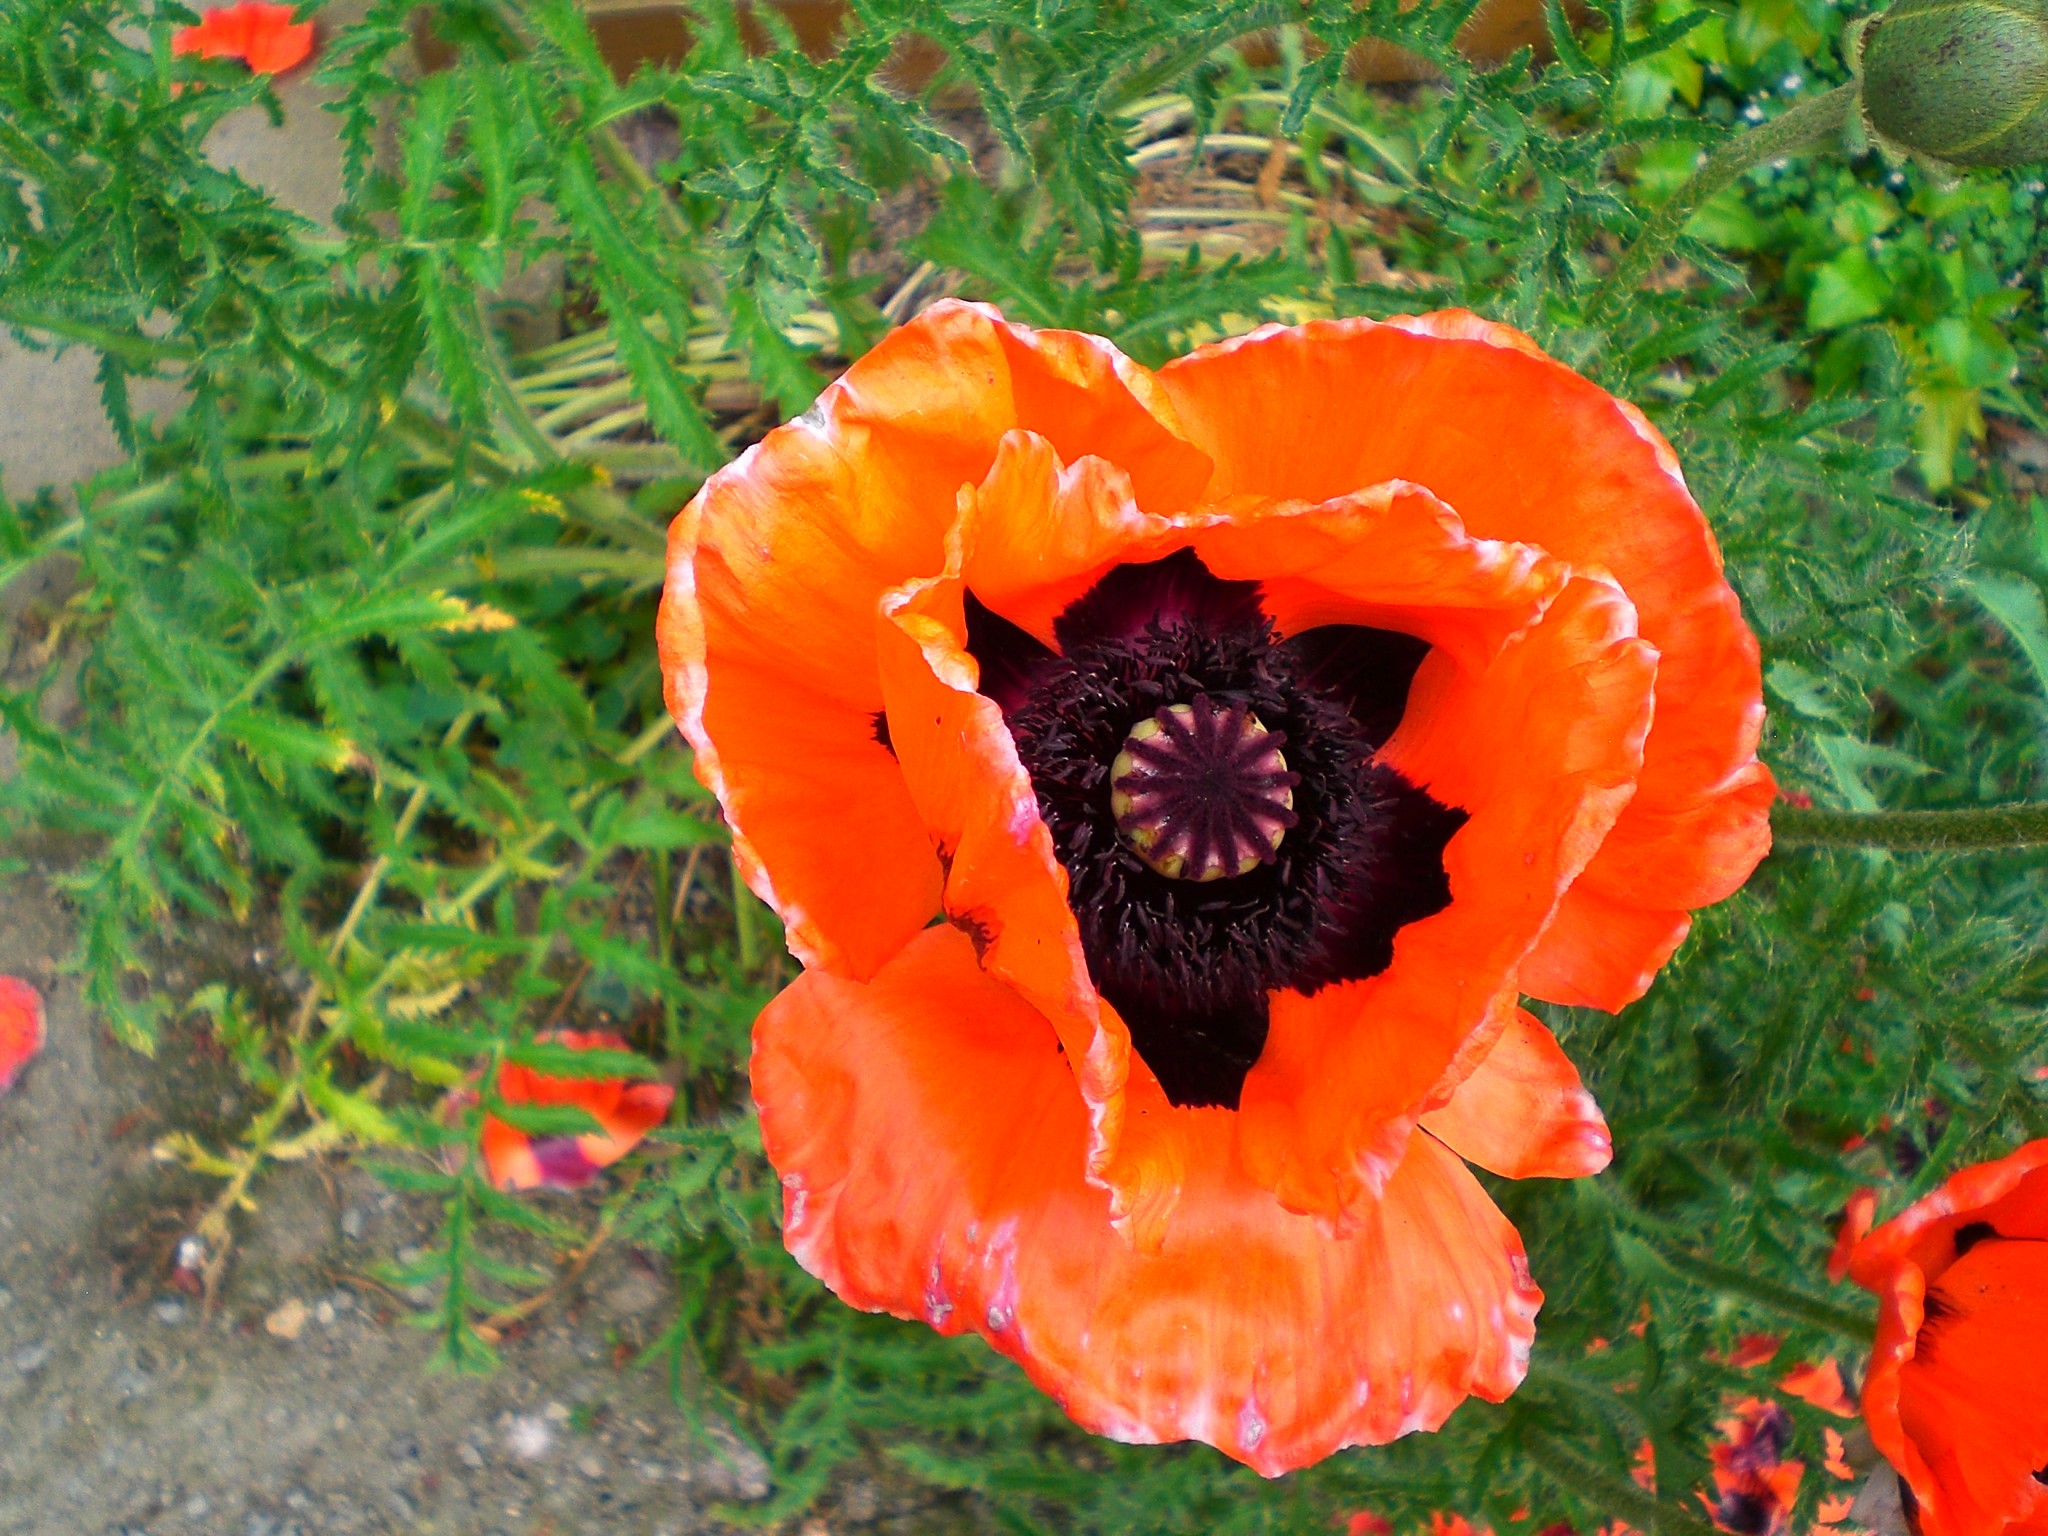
{"type": "Point", "coordinates": [1957, 1395]}
{"type": "Point", "coordinates": [262, 36]}
{"type": "Point", "coordinates": [1820, 1385]}
{"type": "Point", "coordinates": [626, 1111]}
{"type": "Point", "coordinates": [1754, 1483]}
{"type": "Point", "coordinates": [21, 1027]}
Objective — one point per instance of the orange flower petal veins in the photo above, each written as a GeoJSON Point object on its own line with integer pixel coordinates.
{"type": "Point", "coordinates": [1523, 448]}
{"type": "Point", "coordinates": [22, 1030]}
{"type": "Point", "coordinates": [767, 630]}
{"type": "Point", "coordinates": [1956, 1397]}
{"type": "Point", "coordinates": [1523, 1113]}
{"type": "Point", "coordinates": [931, 1147]}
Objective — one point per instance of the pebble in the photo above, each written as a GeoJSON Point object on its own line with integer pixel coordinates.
{"type": "Point", "coordinates": [288, 1321]}
{"type": "Point", "coordinates": [196, 1507]}
{"type": "Point", "coordinates": [32, 1359]}
{"type": "Point", "coordinates": [355, 1221]}
{"type": "Point", "coordinates": [170, 1311]}
{"type": "Point", "coordinates": [591, 1465]}
{"type": "Point", "coordinates": [323, 1314]}
{"type": "Point", "coordinates": [529, 1436]}
{"type": "Point", "coordinates": [861, 1502]}
{"type": "Point", "coordinates": [469, 1455]}
{"type": "Point", "coordinates": [6, 1298]}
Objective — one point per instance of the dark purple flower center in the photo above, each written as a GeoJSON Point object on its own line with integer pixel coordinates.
{"type": "Point", "coordinates": [1211, 793]}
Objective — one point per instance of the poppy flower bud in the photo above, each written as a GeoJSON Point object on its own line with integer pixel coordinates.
{"type": "Point", "coordinates": [1965, 83]}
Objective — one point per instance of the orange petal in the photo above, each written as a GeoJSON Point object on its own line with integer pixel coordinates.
{"type": "Point", "coordinates": [1524, 449]}
{"type": "Point", "coordinates": [21, 1028]}
{"type": "Point", "coordinates": [931, 1149]}
{"type": "Point", "coordinates": [2010, 1192]}
{"type": "Point", "coordinates": [1857, 1216]}
{"type": "Point", "coordinates": [1995, 1214]}
{"type": "Point", "coordinates": [1389, 556]}
{"type": "Point", "coordinates": [625, 1111]}
{"type": "Point", "coordinates": [263, 36]}
{"type": "Point", "coordinates": [1044, 532]}
{"type": "Point", "coordinates": [767, 622]}
{"type": "Point", "coordinates": [1599, 953]}
{"type": "Point", "coordinates": [1541, 747]}
{"type": "Point", "coordinates": [1974, 1397]}
{"type": "Point", "coordinates": [1004, 884]}
{"type": "Point", "coordinates": [278, 44]}
{"type": "Point", "coordinates": [1524, 1114]}
{"type": "Point", "coordinates": [508, 1156]}
{"type": "Point", "coordinates": [627, 1119]}
{"type": "Point", "coordinates": [1820, 1385]}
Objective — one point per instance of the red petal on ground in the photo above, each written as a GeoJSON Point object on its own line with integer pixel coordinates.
{"type": "Point", "coordinates": [262, 36]}
{"type": "Point", "coordinates": [21, 1027]}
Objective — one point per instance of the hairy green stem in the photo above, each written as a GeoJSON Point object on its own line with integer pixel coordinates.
{"type": "Point", "coordinates": [1988, 827]}
{"type": "Point", "coordinates": [1571, 1469]}
{"type": "Point", "coordinates": [1810, 123]}
{"type": "Point", "coordinates": [1849, 1322]}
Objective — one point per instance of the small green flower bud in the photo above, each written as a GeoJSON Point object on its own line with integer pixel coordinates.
{"type": "Point", "coordinates": [1965, 81]}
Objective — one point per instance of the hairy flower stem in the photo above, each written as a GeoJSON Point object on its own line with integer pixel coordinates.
{"type": "Point", "coordinates": [1811, 122]}
{"type": "Point", "coordinates": [1574, 1471]}
{"type": "Point", "coordinates": [1991, 827]}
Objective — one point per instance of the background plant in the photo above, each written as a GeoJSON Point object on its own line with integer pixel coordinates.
{"type": "Point", "coordinates": [362, 635]}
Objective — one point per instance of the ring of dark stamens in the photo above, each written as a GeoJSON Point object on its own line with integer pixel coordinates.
{"type": "Point", "coordinates": [1190, 964]}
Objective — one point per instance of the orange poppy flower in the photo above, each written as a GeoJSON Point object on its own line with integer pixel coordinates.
{"type": "Point", "coordinates": [625, 1111]}
{"type": "Point", "coordinates": [262, 36]}
{"type": "Point", "coordinates": [21, 1028]}
{"type": "Point", "coordinates": [1957, 1395]}
{"type": "Point", "coordinates": [1755, 1486]}
{"type": "Point", "coordinates": [1263, 727]}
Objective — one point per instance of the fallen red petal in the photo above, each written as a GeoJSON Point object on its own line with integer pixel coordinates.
{"type": "Point", "coordinates": [263, 36]}
{"type": "Point", "coordinates": [21, 1027]}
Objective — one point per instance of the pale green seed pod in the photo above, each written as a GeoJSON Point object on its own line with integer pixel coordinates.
{"type": "Point", "coordinates": [1963, 81]}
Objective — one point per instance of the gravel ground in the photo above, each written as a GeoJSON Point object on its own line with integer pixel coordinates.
{"type": "Point", "coordinates": [304, 1406]}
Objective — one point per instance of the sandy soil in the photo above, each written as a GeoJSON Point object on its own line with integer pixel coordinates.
{"type": "Point", "coordinates": [121, 1412]}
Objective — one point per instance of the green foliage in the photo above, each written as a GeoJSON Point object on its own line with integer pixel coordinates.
{"type": "Point", "coordinates": [361, 637]}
